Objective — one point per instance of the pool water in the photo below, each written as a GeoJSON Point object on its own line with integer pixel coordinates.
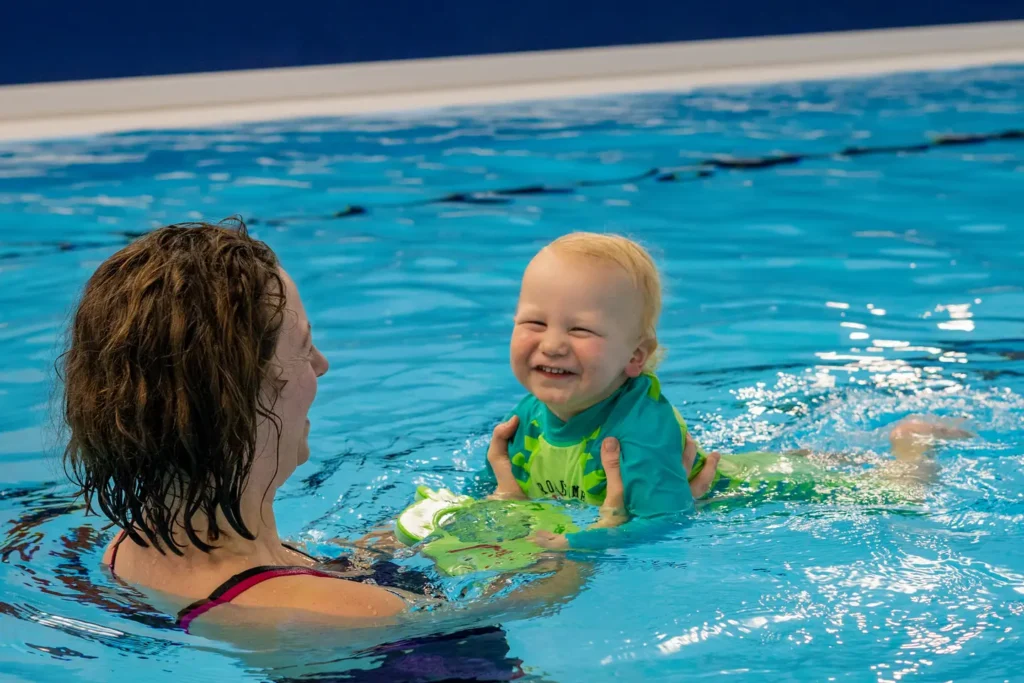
{"type": "Point", "coordinates": [809, 304]}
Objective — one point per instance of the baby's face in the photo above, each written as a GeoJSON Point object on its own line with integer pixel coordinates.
{"type": "Point", "coordinates": [577, 332]}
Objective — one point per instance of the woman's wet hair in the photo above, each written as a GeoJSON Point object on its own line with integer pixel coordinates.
{"type": "Point", "coordinates": [169, 357]}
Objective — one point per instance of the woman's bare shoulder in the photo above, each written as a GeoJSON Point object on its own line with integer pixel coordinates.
{"type": "Point", "coordinates": [324, 595]}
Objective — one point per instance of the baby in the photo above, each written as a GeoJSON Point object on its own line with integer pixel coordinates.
{"type": "Point", "coordinates": [585, 347]}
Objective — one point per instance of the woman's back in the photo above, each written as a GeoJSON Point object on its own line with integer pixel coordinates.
{"type": "Point", "coordinates": [287, 579]}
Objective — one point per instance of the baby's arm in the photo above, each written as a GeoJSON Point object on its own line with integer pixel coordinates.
{"type": "Point", "coordinates": [612, 512]}
{"type": "Point", "coordinates": [497, 458]}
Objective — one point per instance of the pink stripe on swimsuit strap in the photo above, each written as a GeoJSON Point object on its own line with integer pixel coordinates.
{"type": "Point", "coordinates": [238, 584]}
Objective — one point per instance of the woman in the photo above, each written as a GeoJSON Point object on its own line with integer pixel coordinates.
{"type": "Point", "coordinates": [188, 381]}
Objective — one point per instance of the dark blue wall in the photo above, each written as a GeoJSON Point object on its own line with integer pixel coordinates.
{"type": "Point", "coordinates": [70, 39]}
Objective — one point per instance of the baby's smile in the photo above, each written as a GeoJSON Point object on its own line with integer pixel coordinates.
{"type": "Point", "coordinates": [553, 372]}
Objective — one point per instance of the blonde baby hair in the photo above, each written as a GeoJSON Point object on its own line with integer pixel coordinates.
{"type": "Point", "coordinates": [637, 264]}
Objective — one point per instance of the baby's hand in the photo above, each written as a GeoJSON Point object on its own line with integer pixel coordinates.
{"type": "Point", "coordinates": [497, 458]}
{"type": "Point", "coordinates": [550, 541]}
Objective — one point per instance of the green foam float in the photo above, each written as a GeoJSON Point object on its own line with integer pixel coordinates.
{"type": "Point", "coordinates": [464, 535]}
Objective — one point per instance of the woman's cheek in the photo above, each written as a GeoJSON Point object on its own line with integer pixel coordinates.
{"type": "Point", "coordinates": [312, 383]}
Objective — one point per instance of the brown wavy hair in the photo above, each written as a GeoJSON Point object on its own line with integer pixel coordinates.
{"type": "Point", "coordinates": [168, 351]}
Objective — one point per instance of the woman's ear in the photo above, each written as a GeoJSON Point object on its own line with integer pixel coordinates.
{"type": "Point", "coordinates": [641, 354]}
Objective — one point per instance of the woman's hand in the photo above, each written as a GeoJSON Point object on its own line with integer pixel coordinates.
{"type": "Point", "coordinates": [700, 484]}
{"type": "Point", "coordinates": [497, 458]}
{"type": "Point", "coordinates": [613, 511]}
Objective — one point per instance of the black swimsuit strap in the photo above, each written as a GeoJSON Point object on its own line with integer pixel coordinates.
{"type": "Point", "coordinates": [113, 551]}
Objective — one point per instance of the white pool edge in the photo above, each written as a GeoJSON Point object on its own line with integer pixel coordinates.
{"type": "Point", "coordinates": [211, 99]}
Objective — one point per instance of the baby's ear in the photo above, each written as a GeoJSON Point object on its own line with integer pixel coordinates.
{"type": "Point", "coordinates": [638, 360]}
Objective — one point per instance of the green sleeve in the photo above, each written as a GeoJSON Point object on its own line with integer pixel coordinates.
{"type": "Point", "coordinates": [634, 532]}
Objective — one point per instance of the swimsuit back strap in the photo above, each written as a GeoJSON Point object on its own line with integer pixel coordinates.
{"type": "Point", "coordinates": [238, 584]}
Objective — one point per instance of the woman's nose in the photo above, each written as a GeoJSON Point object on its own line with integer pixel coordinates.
{"type": "Point", "coordinates": [320, 364]}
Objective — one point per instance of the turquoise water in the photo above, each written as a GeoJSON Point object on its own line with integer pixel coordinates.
{"type": "Point", "coordinates": [808, 305]}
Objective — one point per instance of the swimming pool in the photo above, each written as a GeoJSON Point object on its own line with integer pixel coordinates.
{"type": "Point", "coordinates": [810, 302]}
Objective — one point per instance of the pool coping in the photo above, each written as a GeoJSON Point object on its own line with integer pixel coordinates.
{"type": "Point", "coordinates": [54, 110]}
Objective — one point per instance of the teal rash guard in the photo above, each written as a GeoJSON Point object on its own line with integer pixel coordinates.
{"type": "Point", "coordinates": [552, 458]}
{"type": "Point", "coordinates": [557, 459]}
